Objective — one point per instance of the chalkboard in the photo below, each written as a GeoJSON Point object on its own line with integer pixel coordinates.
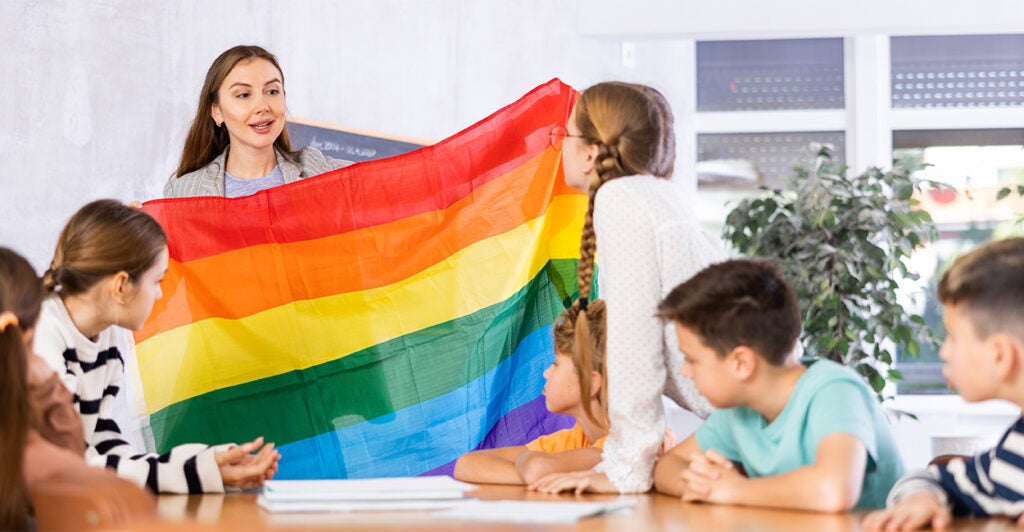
{"type": "Point", "coordinates": [347, 144]}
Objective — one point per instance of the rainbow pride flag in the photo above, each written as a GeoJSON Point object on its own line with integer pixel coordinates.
{"type": "Point", "coordinates": [377, 320]}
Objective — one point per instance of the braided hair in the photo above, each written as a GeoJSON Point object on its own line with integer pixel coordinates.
{"type": "Point", "coordinates": [632, 127]}
{"type": "Point", "coordinates": [587, 351]}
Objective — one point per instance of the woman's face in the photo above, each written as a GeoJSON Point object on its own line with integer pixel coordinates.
{"type": "Point", "coordinates": [250, 102]}
{"type": "Point", "coordinates": [577, 156]}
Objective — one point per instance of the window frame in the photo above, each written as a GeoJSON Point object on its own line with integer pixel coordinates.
{"type": "Point", "coordinates": [868, 119]}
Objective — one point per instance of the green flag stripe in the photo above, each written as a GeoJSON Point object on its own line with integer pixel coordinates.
{"type": "Point", "coordinates": [373, 382]}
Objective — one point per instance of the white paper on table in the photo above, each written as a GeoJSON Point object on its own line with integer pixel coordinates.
{"type": "Point", "coordinates": [368, 489]}
{"type": "Point", "coordinates": [305, 506]}
{"type": "Point", "coordinates": [533, 511]}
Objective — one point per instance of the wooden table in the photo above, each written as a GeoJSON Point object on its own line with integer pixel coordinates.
{"type": "Point", "coordinates": [239, 511]}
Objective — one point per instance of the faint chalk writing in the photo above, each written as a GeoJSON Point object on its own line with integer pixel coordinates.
{"type": "Point", "coordinates": [347, 149]}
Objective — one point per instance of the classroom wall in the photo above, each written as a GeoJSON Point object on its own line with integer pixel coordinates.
{"type": "Point", "coordinates": [98, 94]}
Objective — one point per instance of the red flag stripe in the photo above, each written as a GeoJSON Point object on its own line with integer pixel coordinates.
{"type": "Point", "coordinates": [446, 172]}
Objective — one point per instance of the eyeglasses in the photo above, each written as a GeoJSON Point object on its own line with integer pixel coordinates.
{"type": "Point", "coordinates": [558, 134]}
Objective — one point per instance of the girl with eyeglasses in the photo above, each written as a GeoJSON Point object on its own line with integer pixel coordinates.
{"type": "Point", "coordinates": [619, 147]}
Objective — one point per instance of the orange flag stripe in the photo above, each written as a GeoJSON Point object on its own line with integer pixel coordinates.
{"type": "Point", "coordinates": [309, 269]}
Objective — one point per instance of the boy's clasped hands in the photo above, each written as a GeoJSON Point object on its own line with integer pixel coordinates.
{"type": "Point", "coordinates": [710, 477]}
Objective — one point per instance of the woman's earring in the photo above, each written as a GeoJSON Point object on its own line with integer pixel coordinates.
{"type": "Point", "coordinates": [218, 123]}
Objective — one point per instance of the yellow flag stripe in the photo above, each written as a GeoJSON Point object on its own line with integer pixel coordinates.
{"type": "Point", "coordinates": [301, 334]}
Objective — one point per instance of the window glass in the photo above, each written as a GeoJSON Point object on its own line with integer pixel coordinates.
{"type": "Point", "coordinates": [966, 217]}
{"type": "Point", "coordinates": [957, 71]}
{"type": "Point", "coordinates": [770, 75]}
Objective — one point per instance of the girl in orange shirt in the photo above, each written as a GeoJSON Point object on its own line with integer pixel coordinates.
{"type": "Point", "coordinates": [576, 387]}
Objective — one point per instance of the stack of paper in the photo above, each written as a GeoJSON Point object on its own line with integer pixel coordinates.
{"type": "Point", "coordinates": [534, 511]}
{"type": "Point", "coordinates": [401, 493]}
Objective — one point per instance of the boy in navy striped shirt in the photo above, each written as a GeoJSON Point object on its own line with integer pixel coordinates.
{"type": "Point", "coordinates": [983, 296]}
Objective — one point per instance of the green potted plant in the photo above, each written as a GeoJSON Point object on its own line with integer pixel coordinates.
{"type": "Point", "coordinates": [843, 243]}
{"type": "Point", "coordinates": [1006, 191]}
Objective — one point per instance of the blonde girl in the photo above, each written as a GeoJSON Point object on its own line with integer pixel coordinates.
{"type": "Point", "coordinates": [575, 386]}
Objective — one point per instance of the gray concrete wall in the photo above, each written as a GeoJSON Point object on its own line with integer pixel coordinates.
{"type": "Point", "coordinates": [97, 94]}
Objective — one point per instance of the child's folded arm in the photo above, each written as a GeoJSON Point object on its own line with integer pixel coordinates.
{"type": "Point", "coordinates": [489, 466]}
{"type": "Point", "coordinates": [669, 468]}
{"type": "Point", "coordinates": [831, 484]}
{"type": "Point", "coordinates": [916, 482]}
{"type": "Point", "coordinates": [667, 474]}
{"type": "Point", "coordinates": [534, 465]}
{"type": "Point", "coordinates": [983, 485]}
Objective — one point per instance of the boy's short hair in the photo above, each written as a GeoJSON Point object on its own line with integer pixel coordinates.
{"type": "Point", "coordinates": [738, 302]}
{"type": "Point", "coordinates": [989, 283]}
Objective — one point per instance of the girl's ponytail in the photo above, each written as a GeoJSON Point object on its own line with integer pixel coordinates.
{"type": "Point", "coordinates": [14, 422]}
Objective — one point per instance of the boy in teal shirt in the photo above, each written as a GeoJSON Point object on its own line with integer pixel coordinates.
{"type": "Point", "coordinates": [787, 433]}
